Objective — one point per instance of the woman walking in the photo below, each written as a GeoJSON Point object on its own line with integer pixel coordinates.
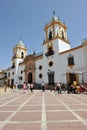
{"type": "Point", "coordinates": [24, 88]}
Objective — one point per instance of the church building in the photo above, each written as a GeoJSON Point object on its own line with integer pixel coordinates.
{"type": "Point", "coordinates": [58, 62]}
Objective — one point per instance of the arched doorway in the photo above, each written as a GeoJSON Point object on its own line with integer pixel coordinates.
{"type": "Point", "coordinates": [30, 77]}
{"type": "Point", "coordinates": [12, 82]}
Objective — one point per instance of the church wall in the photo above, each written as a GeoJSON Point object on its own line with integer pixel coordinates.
{"type": "Point", "coordinates": [63, 46]}
{"type": "Point", "coordinates": [57, 67]}
{"type": "Point", "coordinates": [39, 71]}
{"type": "Point", "coordinates": [21, 74]}
{"type": "Point", "coordinates": [13, 75]}
{"type": "Point", "coordinates": [79, 58]}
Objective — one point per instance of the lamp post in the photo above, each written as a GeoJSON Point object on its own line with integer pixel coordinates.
{"type": "Point", "coordinates": [82, 76]}
{"type": "Point", "coordinates": [8, 81]}
{"type": "Point", "coordinates": [83, 79]}
{"type": "Point", "coordinates": [5, 76]}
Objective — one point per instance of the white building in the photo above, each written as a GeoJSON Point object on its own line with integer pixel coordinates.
{"type": "Point", "coordinates": [58, 62]}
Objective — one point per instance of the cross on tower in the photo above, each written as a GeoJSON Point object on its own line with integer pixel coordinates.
{"type": "Point", "coordinates": [54, 12]}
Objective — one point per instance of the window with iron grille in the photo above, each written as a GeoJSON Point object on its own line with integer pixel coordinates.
{"type": "Point", "coordinates": [71, 60]}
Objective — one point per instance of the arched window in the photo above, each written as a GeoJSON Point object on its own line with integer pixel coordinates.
{"type": "Point", "coordinates": [70, 60]}
{"type": "Point", "coordinates": [22, 54]}
{"type": "Point", "coordinates": [50, 35]}
{"type": "Point", "coordinates": [12, 82]}
{"type": "Point", "coordinates": [40, 67]}
{"type": "Point", "coordinates": [62, 34]}
{"type": "Point", "coordinates": [40, 75]}
{"type": "Point", "coordinates": [13, 66]}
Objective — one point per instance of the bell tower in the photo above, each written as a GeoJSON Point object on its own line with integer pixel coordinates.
{"type": "Point", "coordinates": [55, 29]}
{"type": "Point", "coordinates": [19, 54]}
{"type": "Point", "coordinates": [55, 33]}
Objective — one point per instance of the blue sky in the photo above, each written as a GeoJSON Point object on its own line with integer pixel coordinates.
{"type": "Point", "coordinates": [27, 18]}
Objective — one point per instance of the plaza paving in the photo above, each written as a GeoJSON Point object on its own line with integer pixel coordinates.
{"type": "Point", "coordinates": [42, 111]}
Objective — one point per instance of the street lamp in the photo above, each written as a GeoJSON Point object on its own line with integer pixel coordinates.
{"type": "Point", "coordinates": [83, 79]}
{"type": "Point", "coordinates": [5, 76]}
{"type": "Point", "coordinates": [82, 74]}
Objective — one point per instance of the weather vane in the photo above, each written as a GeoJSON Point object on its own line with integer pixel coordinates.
{"type": "Point", "coordinates": [54, 12]}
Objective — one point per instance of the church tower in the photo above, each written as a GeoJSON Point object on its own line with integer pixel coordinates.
{"type": "Point", "coordinates": [19, 54]}
{"type": "Point", "coordinates": [56, 33]}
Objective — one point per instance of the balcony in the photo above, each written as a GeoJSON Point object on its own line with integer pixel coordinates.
{"type": "Point", "coordinates": [49, 53]}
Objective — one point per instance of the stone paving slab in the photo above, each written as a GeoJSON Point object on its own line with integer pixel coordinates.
{"type": "Point", "coordinates": [8, 108]}
{"type": "Point", "coordinates": [55, 107]}
{"type": "Point", "coordinates": [4, 115]}
{"type": "Point", "coordinates": [43, 111]}
{"type": "Point", "coordinates": [83, 114]}
{"type": "Point", "coordinates": [63, 115]}
{"type": "Point", "coordinates": [77, 106]}
{"type": "Point", "coordinates": [66, 126]}
{"type": "Point", "coordinates": [30, 126]}
{"type": "Point", "coordinates": [31, 108]}
{"type": "Point", "coordinates": [27, 116]}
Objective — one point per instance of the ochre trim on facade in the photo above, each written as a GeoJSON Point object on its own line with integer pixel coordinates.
{"type": "Point", "coordinates": [19, 47]}
{"type": "Point", "coordinates": [58, 22]}
{"type": "Point", "coordinates": [30, 67]}
{"type": "Point", "coordinates": [68, 77]}
{"type": "Point", "coordinates": [77, 78]}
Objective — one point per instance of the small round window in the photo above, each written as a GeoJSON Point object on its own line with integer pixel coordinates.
{"type": "Point", "coordinates": [40, 67]}
{"type": "Point", "coordinates": [50, 63]}
{"type": "Point", "coordinates": [40, 75]}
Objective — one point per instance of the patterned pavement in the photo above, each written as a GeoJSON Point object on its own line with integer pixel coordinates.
{"type": "Point", "coordinates": [42, 111]}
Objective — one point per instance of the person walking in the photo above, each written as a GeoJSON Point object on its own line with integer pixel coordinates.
{"type": "Point", "coordinates": [43, 86]}
{"type": "Point", "coordinates": [5, 87]}
{"type": "Point", "coordinates": [59, 88]}
{"type": "Point", "coordinates": [31, 87]}
{"type": "Point", "coordinates": [28, 86]}
{"type": "Point", "coordinates": [24, 88]}
{"type": "Point", "coordinates": [16, 85]}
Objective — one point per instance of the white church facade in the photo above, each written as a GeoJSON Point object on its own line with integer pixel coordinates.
{"type": "Point", "coordinates": [57, 63]}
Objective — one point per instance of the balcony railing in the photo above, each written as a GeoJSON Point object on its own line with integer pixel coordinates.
{"type": "Point", "coordinates": [49, 53]}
